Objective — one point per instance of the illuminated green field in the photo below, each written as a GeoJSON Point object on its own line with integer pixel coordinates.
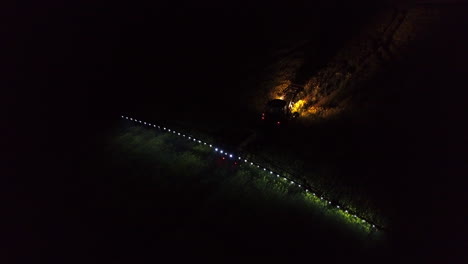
{"type": "Point", "coordinates": [190, 156]}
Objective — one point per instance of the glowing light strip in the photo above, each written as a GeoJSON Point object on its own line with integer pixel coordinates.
{"type": "Point", "coordinates": [291, 181]}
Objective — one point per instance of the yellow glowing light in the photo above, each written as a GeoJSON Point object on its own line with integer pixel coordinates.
{"type": "Point", "coordinates": [297, 106]}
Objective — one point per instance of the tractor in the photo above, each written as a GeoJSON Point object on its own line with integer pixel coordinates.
{"type": "Point", "coordinates": [279, 111]}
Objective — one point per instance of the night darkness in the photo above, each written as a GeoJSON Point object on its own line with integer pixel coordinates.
{"type": "Point", "coordinates": [73, 194]}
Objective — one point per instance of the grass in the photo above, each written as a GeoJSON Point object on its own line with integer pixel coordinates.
{"type": "Point", "coordinates": [187, 159]}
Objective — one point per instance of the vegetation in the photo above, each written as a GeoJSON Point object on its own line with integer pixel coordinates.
{"type": "Point", "coordinates": [186, 161]}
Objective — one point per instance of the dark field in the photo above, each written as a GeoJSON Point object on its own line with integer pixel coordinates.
{"type": "Point", "coordinates": [87, 187]}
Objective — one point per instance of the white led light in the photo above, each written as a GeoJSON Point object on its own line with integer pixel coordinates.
{"type": "Point", "coordinates": [154, 125]}
{"type": "Point", "coordinates": [292, 182]}
{"type": "Point", "coordinates": [363, 220]}
{"type": "Point", "coordinates": [169, 130]}
{"type": "Point", "coordinates": [271, 172]}
{"type": "Point", "coordinates": [307, 190]}
{"type": "Point", "coordinates": [216, 149]}
{"type": "Point", "coordinates": [221, 151]}
{"type": "Point", "coordinates": [264, 169]}
{"type": "Point", "coordinates": [285, 179]}
{"type": "Point", "coordinates": [140, 121]}
{"type": "Point", "coordinates": [230, 155]}
{"type": "Point", "coordinates": [122, 116]}
{"type": "Point", "coordinates": [346, 211]}
{"type": "Point", "coordinates": [199, 141]}
{"type": "Point", "coordinates": [189, 138]}
{"type": "Point", "coordinates": [144, 123]}
{"type": "Point", "coordinates": [239, 157]}
{"type": "Point", "coordinates": [251, 163]}
{"type": "Point", "coordinates": [246, 161]}
{"type": "Point", "coordinates": [211, 146]}
{"type": "Point", "coordinates": [299, 185]}
{"type": "Point", "coordinates": [277, 175]}
{"type": "Point", "coordinates": [337, 206]}
{"type": "Point", "coordinates": [373, 226]}
{"type": "Point", "coordinates": [225, 153]}
{"type": "Point", "coordinates": [329, 202]}
{"type": "Point", "coordinates": [258, 166]}
{"type": "Point", "coordinates": [178, 134]}
{"type": "Point", "coordinates": [204, 143]}
{"type": "Point", "coordinates": [131, 118]}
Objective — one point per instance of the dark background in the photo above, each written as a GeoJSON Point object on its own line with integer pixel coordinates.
{"type": "Point", "coordinates": [70, 69]}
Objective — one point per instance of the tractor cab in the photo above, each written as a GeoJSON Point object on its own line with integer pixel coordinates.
{"type": "Point", "coordinates": [276, 111]}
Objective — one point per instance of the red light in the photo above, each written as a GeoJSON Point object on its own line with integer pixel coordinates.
{"type": "Point", "coordinates": [263, 117]}
{"type": "Point", "coordinates": [235, 163]}
{"type": "Point", "coordinates": [223, 157]}
{"type": "Point", "coordinates": [278, 122]}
